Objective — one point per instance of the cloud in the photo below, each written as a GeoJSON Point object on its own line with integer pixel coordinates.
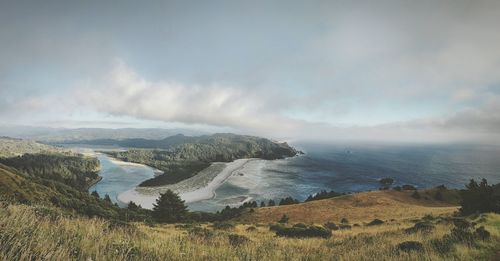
{"type": "Point", "coordinates": [124, 92]}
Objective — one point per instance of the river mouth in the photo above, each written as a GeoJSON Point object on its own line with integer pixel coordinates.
{"type": "Point", "coordinates": [118, 178]}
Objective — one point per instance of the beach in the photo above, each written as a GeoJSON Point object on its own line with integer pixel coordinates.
{"type": "Point", "coordinates": [197, 188]}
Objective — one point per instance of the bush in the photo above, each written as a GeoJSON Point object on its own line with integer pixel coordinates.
{"type": "Point", "coordinates": [331, 226]}
{"type": "Point", "coordinates": [415, 195]}
{"type": "Point", "coordinates": [375, 222]}
{"type": "Point", "coordinates": [443, 245]}
{"type": "Point", "coordinates": [300, 225]}
{"type": "Point", "coordinates": [397, 188]}
{"type": "Point", "coordinates": [237, 240]}
{"type": "Point", "coordinates": [344, 226]}
{"type": "Point", "coordinates": [222, 225]}
{"type": "Point", "coordinates": [276, 227]}
{"type": "Point", "coordinates": [251, 229]}
{"type": "Point", "coordinates": [482, 233]}
{"type": "Point", "coordinates": [408, 246]}
{"type": "Point", "coordinates": [344, 221]}
{"type": "Point", "coordinates": [307, 231]}
{"type": "Point", "coordinates": [201, 232]}
{"type": "Point", "coordinates": [422, 226]}
{"type": "Point", "coordinates": [408, 187]}
{"type": "Point", "coordinates": [284, 219]}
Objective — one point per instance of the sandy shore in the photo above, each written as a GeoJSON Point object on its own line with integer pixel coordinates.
{"type": "Point", "coordinates": [126, 163]}
{"type": "Point", "coordinates": [200, 187]}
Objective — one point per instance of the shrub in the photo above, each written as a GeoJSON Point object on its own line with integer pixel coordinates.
{"type": "Point", "coordinates": [331, 226]}
{"type": "Point", "coordinates": [201, 232]}
{"type": "Point", "coordinates": [482, 233]}
{"type": "Point", "coordinates": [276, 227]}
{"type": "Point", "coordinates": [408, 246]}
{"type": "Point", "coordinates": [300, 225]}
{"type": "Point", "coordinates": [422, 226]}
{"type": "Point", "coordinates": [375, 222]}
{"type": "Point", "coordinates": [284, 219]}
{"type": "Point", "coordinates": [251, 229]}
{"type": "Point", "coordinates": [222, 225]}
{"type": "Point", "coordinates": [344, 221]}
{"type": "Point", "coordinates": [344, 226]}
{"type": "Point", "coordinates": [415, 195]}
{"type": "Point", "coordinates": [237, 240]}
{"type": "Point", "coordinates": [442, 245]}
{"type": "Point", "coordinates": [408, 187]}
{"type": "Point", "coordinates": [307, 231]}
{"type": "Point", "coordinates": [323, 195]}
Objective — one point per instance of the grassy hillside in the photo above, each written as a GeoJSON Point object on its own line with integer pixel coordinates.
{"type": "Point", "coordinates": [361, 207]}
{"type": "Point", "coordinates": [31, 232]}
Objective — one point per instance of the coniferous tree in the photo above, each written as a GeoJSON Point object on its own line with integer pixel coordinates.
{"type": "Point", "coordinates": [169, 208]}
{"type": "Point", "coordinates": [95, 194]}
{"type": "Point", "coordinates": [107, 198]}
{"type": "Point", "coordinates": [271, 203]}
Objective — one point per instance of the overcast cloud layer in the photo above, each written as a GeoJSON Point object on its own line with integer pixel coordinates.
{"type": "Point", "coordinates": [371, 70]}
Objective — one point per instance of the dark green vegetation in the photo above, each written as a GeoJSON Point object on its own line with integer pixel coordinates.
{"type": "Point", "coordinates": [74, 170]}
{"type": "Point", "coordinates": [324, 195]}
{"type": "Point", "coordinates": [169, 208]}
{"type": "Point", "coordinates": [480, 198]}
{"type": "Point", "coordinates": [301, 231]}
{"type": "Point", "coordinates": [56, 178]}
{"type": "Point", "coordinates": [181, 157]}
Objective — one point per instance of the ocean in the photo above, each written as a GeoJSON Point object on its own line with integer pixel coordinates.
{"type": "Point", "coordinates": [357, 167]}
{"type": "Point", "coordinates": [341, 167]}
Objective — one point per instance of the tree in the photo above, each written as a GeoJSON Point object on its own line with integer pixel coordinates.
{"type": "Point", "coordinates": [95, 194]}
{"type": "Point", "coordinates": [107, 198]}
{"type": "Point", "coordinates": [169, 208]}
{"type": "Point", "coordinates": [480, 198]}
{"type": "Point", "coordinates": [133, 207]}
{"type": "Point", "coordinates": [271, 203]}
{"type": "Point", "coordinates": [262, 204]}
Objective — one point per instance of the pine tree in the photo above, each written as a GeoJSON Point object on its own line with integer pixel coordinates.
{"type": "Point", "coordinates": [95, 194]}
{"type": "Point", "coordinates": [169, 208]}
{"type": "Point", "coordinates": [107, 198]}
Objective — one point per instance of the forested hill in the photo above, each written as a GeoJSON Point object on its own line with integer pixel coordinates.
{"type": "Point", "coordinates": [48, 162]}
{"type": "Point", "coordinates": [225, 146]}
{"type": "Point", "coordinates": [181, 157]}
{"type": "Point", "coordinates": [10, 147]}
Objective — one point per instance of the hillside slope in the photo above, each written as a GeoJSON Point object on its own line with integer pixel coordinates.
{"type": "Point", "coordinates": [359, 208]}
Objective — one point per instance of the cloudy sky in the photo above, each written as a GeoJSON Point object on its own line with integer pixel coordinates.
{"type": "Point", "coordinates": [371, 70]}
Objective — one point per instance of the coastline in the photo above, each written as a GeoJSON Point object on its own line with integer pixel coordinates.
{"type": "Point", "coordinates": [199, 187]}
{"type": "Point", "coordinates": [126, 163]}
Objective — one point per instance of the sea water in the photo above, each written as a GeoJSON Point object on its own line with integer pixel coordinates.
{"type": "Point", "coordinates": [354, 168]}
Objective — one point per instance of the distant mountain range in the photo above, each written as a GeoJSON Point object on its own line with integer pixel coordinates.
{"type": "Point", "coordinates": [54, 135]}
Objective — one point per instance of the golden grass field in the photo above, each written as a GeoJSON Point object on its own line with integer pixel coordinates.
{"type": "Point", "coordinates": [360, 207]}
{"type": "Point", "coordinates": [40, 233]}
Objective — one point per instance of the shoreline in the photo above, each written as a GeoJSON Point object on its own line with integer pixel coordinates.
{"type": "Point", "coordinates": [127, 163]}
{"type": "Point", "coordinates": [199, 187]}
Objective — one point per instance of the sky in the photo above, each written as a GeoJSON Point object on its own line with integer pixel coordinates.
{"type": "Point", "coordinates": [418, 71]}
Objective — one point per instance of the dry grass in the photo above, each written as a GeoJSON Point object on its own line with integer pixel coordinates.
{"type": "Point", "coordinates": [39, 233]}
{"type": "Point", "coordinates": [357, 208]}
